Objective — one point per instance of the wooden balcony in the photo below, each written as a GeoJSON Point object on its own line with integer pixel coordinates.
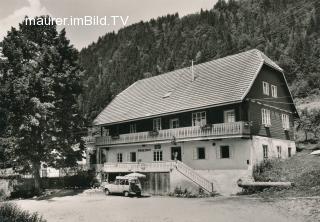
{"type": "Point", "coordinates": [221, 130]}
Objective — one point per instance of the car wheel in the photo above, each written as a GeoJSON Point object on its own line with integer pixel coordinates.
{"type": "Point", "coordinates": [126, 193]}
{"type": "Point", "coordinates": [107, 192]}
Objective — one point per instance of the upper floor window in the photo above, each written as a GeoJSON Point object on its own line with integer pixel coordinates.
{"type": "Point", "coordinates": [285, 121]}
{"type": "Point", "coordinates": [265, 151]}
{"type": "Point", "coordinates": [157, 124]}
{"type": "Point", "coordinates": [199, 119]}
{"type": "Point", "coordinates": [274, 91]}
{"type": "Point", "coordinates": [266, 119]}
{"type": "Point", "coordinates": [105, 131]}
{"type": "Point", "coordinates": [174, 123]}
{"type": "Point", "coordinates": [133, 128]}
{"type": "Point", "coordinates": [265, 87]}
{"type": "Point", "coordinates": [229, 116]}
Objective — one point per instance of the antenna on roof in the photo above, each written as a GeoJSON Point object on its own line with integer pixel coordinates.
{"type": "Point", "coordinates": [192, 72]}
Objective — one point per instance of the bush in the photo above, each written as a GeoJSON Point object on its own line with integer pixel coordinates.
{"type": "Point", "coordinates": [10, 212]}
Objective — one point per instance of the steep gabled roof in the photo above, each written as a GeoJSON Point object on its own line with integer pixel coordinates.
{"type": "Point", "coordinates": [222, 81]}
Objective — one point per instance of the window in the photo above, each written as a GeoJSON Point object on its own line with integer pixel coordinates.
{"type": "Point", "coordinates": [174, 123]}
{"type": "Point", "coordinates": [279, 151]}
{"type": "Point", "coordinates": [157, 155]}
{"type": "Point", "coordinates": [133, 157]}
{"type": "Point", "coordinates": [289, 152]}
{"type": "Point", "coordinates": [224, 152]}
{"type": "Point", "coordinates": [274, 91]}
{"type": "Point", "coordinates": [265, 86]}
{"type": "Point", "coordinates": [133, 128]}
{"type": "Point", "coordinates": [199, 119]}
{"type": "Point", "coordinates": [119, 157]}
{"type": "Point", "coordinates": [265, 151]}
{"type": "Point", "coordinates": [157, 124]}
{"type": "Point", "coordinates": [201, 153]}
{"type": "Point", "coordinates": [229, 116]}
{"type": "Point", "coordinates": [285, 121]}
{"type": "Point", "coordinates": [105, 131]}
{"type": "Point", "coordinates": [266, 119]}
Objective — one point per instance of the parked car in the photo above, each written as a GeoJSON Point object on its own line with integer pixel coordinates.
{"type": "Point", "coordinates": [123, 185]}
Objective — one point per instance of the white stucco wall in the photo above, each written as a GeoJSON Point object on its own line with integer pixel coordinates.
{"type": "Point", "coordinates": [239, 153]}
{"type": "Point", "coordinates": [259, 141]}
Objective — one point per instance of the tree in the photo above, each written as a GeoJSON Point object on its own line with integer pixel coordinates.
{"type": "Point", "coordinates": [42, 81]}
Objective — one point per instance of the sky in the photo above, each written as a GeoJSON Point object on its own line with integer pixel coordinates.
{"type": "Point", "coordinates": [12, 13]}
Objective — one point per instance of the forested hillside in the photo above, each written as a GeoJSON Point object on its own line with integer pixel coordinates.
{"type": "Point", "coordinates": [288, 31]}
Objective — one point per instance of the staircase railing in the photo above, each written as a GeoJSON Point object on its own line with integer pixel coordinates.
{"type": "Point", "coordinates": [194, 176]}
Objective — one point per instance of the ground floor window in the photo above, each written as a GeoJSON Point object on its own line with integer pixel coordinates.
{"type": "Point", "coordinates": [157, 155]}
{"type": "Point", "coordinates": [201, 153]}
{"type": "Point", "coordinates": [289, 152]}
{"type": "Point", "coordinates": [265, 151]}
{"type": "Point", "coordinates": [279, 151]}
{"type": "Point", "coordinates": [224, 152]}
{"type": "Point", "coordinates": [133, 157]}
{"type": "Point", "coordinates": [119, 157]}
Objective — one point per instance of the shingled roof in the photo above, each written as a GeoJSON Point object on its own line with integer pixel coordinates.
{"type": "Point", "coordinates": [223, 81]}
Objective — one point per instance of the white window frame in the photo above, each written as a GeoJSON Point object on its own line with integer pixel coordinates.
{"type": "Point", "coordinates": [274, 91]}
{"type": "Point", "coordinates": [199, 118]}
{"type": "Point", "coordinates": [157, 124]}
{"type": "Point", "coordinates": [285, 121]}
{"type": "Point", "coordinates": [265, 88]}
{"type": "Point", "coordinates": [265, 151]}
{"type": "Point", "coordinates": [229, 116]}
{"type": "Point", "coordinates": [119, 157]}
{"type": "Point", "coordinates": [279, 150]}
{"type": "Point", "coordinates": [133, 128]}
{"type": "Point", "coordinates": [174, 123]}
{"type": "Point", "coordinates": [157, 155]}
{"type": "Point", "coordinates": [266, 117]}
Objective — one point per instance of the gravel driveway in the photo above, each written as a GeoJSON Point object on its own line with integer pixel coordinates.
{"type": "Point", "coordinates": [98, 207]}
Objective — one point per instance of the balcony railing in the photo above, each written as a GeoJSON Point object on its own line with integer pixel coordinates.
{"type": "Point", "coordinates": [139, 167]}
{"type": "Point", "coordinates": [179, 134]}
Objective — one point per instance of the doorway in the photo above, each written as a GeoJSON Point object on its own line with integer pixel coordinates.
{"type": "Point", "coordinates": [176, 153]}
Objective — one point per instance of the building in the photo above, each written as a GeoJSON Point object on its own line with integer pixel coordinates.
{"type": "Point", "coordinates": [202, 126]}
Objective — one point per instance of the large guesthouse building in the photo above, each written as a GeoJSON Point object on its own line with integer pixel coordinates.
{"type": "Point", "coordinates": [203, 126]}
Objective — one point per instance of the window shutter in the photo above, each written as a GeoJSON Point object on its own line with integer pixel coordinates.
{"type": "Point", "coordinates": [194, 153]}
{"type": "Point", "coordinates": [218, 152]}
{"type": "Point", "coordinates": [231, 152]}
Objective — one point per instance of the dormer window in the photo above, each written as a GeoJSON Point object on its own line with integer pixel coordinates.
{"type": "Point", "coordinates": [168, 94]}
{"type": "Point", "coordinates": [274, 91]}
{"type": "Point", "coordinates": [265, 87]}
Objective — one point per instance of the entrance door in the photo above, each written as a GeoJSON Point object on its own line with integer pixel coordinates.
{"type": "Point", "coordinates": [176, 153]}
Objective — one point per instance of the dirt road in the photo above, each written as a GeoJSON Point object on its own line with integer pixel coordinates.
{"type": "Point", "coordinates": [97, 207]}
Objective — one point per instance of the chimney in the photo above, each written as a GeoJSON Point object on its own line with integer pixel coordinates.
{"type": "Point", "coordinates": [192, 72]}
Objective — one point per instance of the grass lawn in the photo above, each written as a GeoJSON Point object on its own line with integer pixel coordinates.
{"type": "Point", "coordinates": [302, 169]}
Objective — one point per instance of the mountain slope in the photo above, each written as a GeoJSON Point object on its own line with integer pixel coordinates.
{"type": "Point", "coordinates": [285, 30]}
